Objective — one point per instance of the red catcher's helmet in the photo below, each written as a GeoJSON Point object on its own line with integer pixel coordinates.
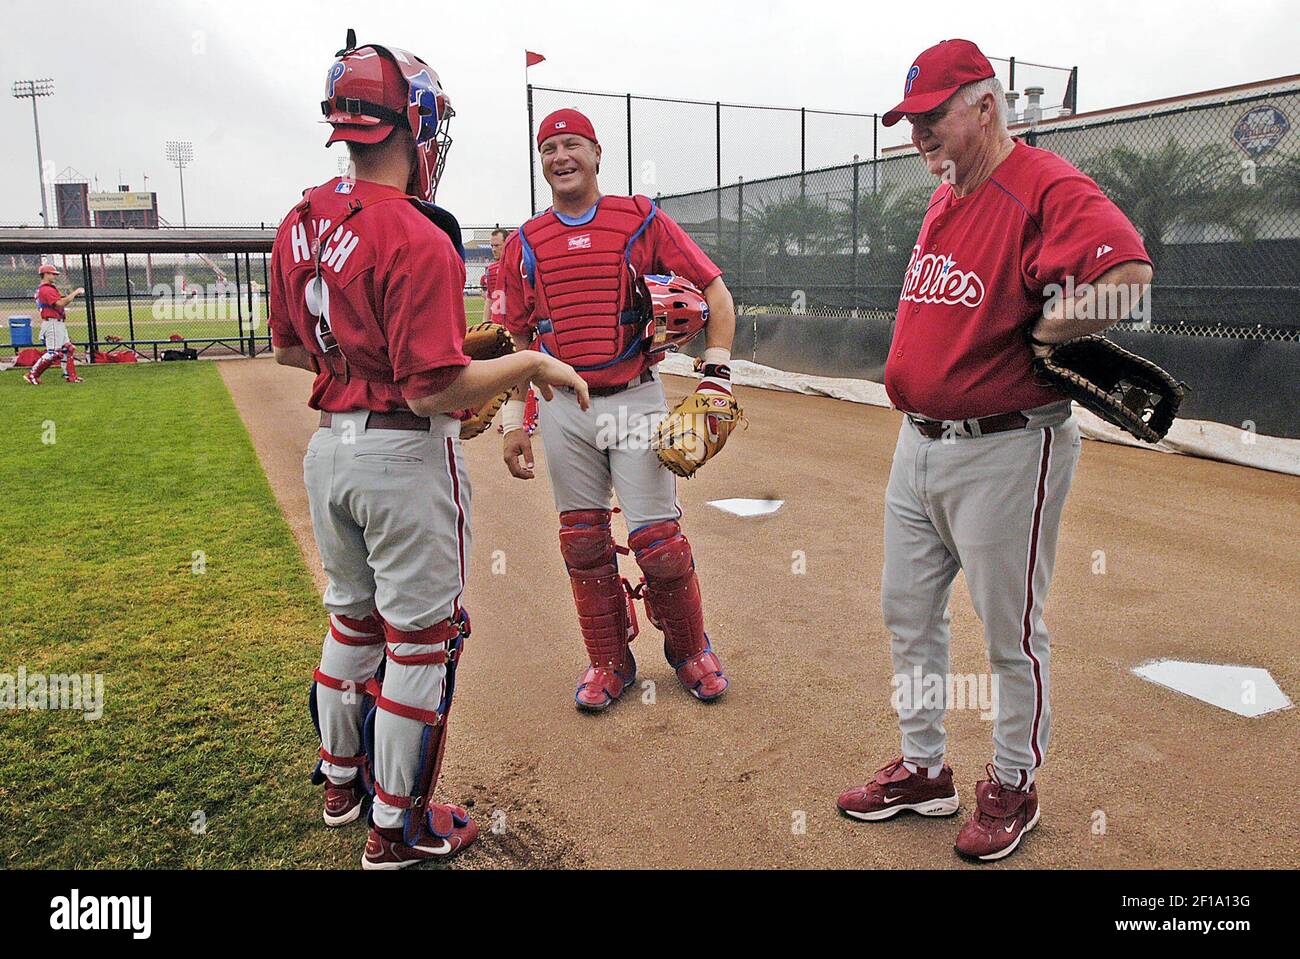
{"type": "Point", "coordinates": [674, 309]}
{"type": "Point", "coordinates": [372, 89]}
{"type": "Point", "coordinates": [49, 268]}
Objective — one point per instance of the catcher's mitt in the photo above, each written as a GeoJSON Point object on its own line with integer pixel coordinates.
{"type": "Point", "coordinates": [692, 434]}
{"type": "Point", "coordinates": [485, 341]}
{"type": "Point", "coordinates": [1121, 387]}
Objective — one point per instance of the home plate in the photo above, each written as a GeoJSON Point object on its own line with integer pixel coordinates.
{"type": "Point", "coordinates": [748, 507]}
{"type": "Point", "coordinates": [1244, 690]}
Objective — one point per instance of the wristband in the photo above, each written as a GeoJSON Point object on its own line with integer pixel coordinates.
{"type": "Point", "coordinates": [716, 355]}
{"type": "Point", "coordinates": [512, 416]}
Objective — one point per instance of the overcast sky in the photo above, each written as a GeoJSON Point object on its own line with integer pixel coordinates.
{"type": "Point", "coordinates": [243, 79]}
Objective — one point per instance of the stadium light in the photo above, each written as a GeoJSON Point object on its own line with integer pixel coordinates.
{"type": "Point", "coordinates": [34, 90]}
{"type": "Point", "coordinates": [181, 153]}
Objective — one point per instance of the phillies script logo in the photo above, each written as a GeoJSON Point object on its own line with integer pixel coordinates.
{"type": "Point", "coordinates": [935, 279]}
{"type": "Point", "coordinates": [582, 242]}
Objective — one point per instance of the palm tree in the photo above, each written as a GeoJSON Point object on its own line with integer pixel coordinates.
{"type": "Point", "coordinates": [1176, 185]}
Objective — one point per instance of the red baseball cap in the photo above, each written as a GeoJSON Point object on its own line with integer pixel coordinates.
{"type": "Point", "coordinates": [937, 74]}
{"type": "Point", "coordinates": [48, 268]}
{"type": "Point", "coordinates": [565, 121]}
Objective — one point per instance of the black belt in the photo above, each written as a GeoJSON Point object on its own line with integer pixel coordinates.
{"type": "Point", "coordinates": [983, 426]}
{"type": "Point", "coordinates": [397, 420]}
{"type": "Point", "coordinates": [646, 377]}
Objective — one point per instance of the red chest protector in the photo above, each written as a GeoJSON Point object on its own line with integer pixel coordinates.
{"type": "Point", "coordinates": [584, 283]}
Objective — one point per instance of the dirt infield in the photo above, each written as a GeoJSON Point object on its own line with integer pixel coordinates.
{"type": "Point", "coordinates": [1200, 565]}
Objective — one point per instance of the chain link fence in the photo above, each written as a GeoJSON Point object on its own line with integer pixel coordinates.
{"type": "Point", "coordinates": [212, 302]}
{"type": "Point", "coordinates": [658, 145]}
{"type": "Point", "coordinates": [1213, 187]}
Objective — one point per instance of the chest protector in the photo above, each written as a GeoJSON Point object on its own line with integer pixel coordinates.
{"type": "Point", "coordinates": [584, 284]}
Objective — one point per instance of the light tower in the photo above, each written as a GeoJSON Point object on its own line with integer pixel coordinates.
{"type": "Point", "coordinates": [181, 153]}
{"type": "Point", "coordinates": [33, 90]}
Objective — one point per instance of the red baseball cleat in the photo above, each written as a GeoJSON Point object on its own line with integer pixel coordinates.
{"type": "Point", "coordinates": [73, 379]}
{"type": "Point", "coordinates": [343, 804]}
{"type": "Point", "coordinates": [452, 831]}
{"type": "Point", "coordinates": [1002, 817]}
{"type": "Point", "coordinates": [894, 788]}
{"type": "Point", "coordinates": [31, 379]}
{"type": "Point", "coordinates": [601, 686]}
{"type": "Point", "coordinates": [702, 676]}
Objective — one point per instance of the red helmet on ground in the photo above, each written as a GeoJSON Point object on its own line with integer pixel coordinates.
{"type": "Point", "coordinates": [675, 311]}
{"type": "Point", "coordinates": [48, 268]}
{"type": "Point", "coordinates": [372, 89]}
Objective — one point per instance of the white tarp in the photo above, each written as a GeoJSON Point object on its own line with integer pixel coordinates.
{"type": "Point", "coordinates": [1191, 437]}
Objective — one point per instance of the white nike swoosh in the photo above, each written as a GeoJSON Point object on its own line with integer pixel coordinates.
{"type": "Point", "coordinates": [889, 799]}
{"type": "Point", "coordinates": [1011, 827]}
{"type": "Point", "coordinates": [438, 851]}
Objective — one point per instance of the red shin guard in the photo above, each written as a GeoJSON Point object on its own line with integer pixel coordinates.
{"type": "Point", "coordinates": [672, 590]}
{"type": "Point", "coordinates": [604, 608]}
{"type": "Point", "coordinates": [672, 597]}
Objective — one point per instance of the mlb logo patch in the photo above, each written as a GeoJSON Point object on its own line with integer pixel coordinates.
{"type": "Point", "coordinates": [561, 124]}
{"type": "Point", "coordinates": [582, 242]}
{"type": "Point", "coordinates": [345, 186]}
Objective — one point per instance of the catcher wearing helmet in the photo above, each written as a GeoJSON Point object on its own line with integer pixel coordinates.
{"type": "Point", "coordinates": [366, 291]}
{"type": "Point", "coordinates": [609, 284]}
{"type": "Point", "coordinates": [54, 329]}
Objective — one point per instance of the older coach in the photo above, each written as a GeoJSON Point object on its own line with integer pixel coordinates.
{"type": "Point", "coordinates": [1017, 250]}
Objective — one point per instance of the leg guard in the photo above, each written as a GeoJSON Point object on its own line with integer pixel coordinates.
{"type": "Point", "coordinates": [47, 360]}
{"type": "Point", "coordinates": [426, 825]}
{"type": "Point", "coordinates": [672, 596]}
{"type": "Point", "coordinates": [603, 598]}
{"type": "Point", "coordinates": [342, 699]}
{"type": "Point", "coordinates": [70, 362]}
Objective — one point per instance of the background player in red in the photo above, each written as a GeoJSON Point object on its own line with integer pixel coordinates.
{"type": "Point", "coordinates": [491, 280]}
{"type": "Point", "coordinates": [569, 280]}
{"type": "Point", "coordinates": [59, 347]}
{"type": "Point", "coordinates": [367, 288]}
{"type": "Point", "coordinates": [985, 455]}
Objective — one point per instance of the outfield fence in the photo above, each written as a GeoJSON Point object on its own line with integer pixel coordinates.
{"type": "Point", "coordinates": [655, 145]}
{"type": "Point", "coordinates": [148, 291]}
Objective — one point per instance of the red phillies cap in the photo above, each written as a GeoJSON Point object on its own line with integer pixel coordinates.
{"type": "Point", "coordinates": [48, 268]}
{"type": "Point", "coordinates": [565, 121]}
{"type": "Point", "coordinates": [937, 74]}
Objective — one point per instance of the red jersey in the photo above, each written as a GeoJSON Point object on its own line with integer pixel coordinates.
{"type": "Point", "coordinates": [491, 283]}
{"type": "Point", "coordinates": [662, 247]}
{"type": "Point", "coordinates": [393, 297]}
{"type": "Point", "coordinates": [977, 280]}
{"type": "Point", "coordinates": [47, 299]}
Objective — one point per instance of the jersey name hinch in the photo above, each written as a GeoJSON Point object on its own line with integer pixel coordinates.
{"type": "Point", "coordinates": [337, 248]}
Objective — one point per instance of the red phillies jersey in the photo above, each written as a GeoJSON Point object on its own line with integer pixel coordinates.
{"type": "Point", "coordinates": [661, 247]}
{"type": "Point", "coordinates": [393, 297]}
{"type": "Point", "coordinates": [977, 277]}
{"type": "Point", "coordinates": [47, 298]}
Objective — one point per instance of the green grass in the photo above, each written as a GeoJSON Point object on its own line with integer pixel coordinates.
{"type": "Point", "coordinates": [112, 318]}
{"type": "Point", "coordinates": [205, 676]}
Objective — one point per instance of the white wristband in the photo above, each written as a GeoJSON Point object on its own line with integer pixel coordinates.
{"type": "Point", "coordinates": [718, 355]}
{"type": "Point", "coordinates": [512, 416]}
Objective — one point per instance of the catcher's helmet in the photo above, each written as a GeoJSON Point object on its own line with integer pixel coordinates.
{"type": "Point", "coordinates": [372, 89]}
{"type": "Point", "coordinates": [674, 309]}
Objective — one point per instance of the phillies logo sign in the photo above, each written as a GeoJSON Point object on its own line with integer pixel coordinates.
{"type": "Point", "coordinates": [934, 278]}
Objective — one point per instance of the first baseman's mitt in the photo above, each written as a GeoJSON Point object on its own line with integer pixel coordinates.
{"type": "Point", "coordinates": [485, 341]}
{"type": "Point", "coordinates": [1121, 387]}
{"type": "Point", "coordinates": [694, 432]}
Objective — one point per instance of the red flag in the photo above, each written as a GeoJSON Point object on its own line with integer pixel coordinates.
{"type": "Point", "coordinates": [532, 59]}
